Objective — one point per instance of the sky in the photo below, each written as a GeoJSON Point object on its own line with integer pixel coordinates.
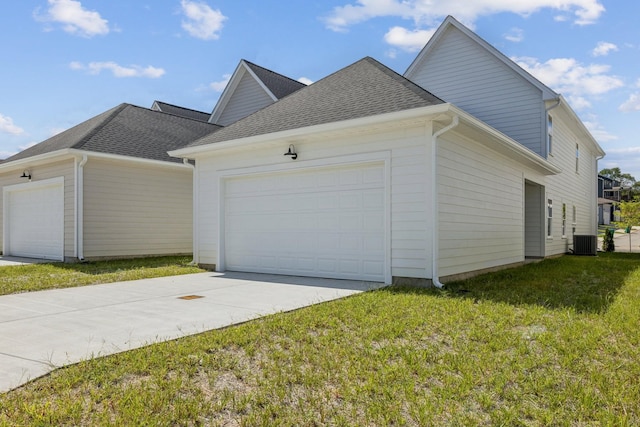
{"type": "Point", "coordinates": [65, 61]}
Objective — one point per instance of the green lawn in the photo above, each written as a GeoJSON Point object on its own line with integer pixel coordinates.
{"type": "Point", "coordinates": [37, 277]}
{"type": "Point", "coordinates": [552, 343]}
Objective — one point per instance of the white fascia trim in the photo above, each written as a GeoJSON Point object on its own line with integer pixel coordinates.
{"type": "Point", "coordinates": [72, 152]}
{"type": "Point", "coordinates": [226, 94]}
{"type": "Point", "coordinates": [228, 91]}
{"type": "Point", "coordinates": [260, 82]}
{"type": "Point", "coordinates": [35, 160]}
{"type": "Point", "coordinates": [139, 160]}
{"type": "Point", "coordinates": [414, 113]}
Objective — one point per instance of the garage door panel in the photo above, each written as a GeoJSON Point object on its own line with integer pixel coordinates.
{"type": "Point", "coordinates": [34, 221]}
{"type": "Point", "coordinates": [325, 222]}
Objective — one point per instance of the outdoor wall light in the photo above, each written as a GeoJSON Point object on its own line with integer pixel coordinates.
{"type": "Point", "coordinates": [292, 152]}
{"type": "Point", "coordinates": [26, 174]}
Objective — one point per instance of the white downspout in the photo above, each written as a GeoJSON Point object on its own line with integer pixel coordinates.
{"type": "Point", "coordinates": [194, 214]}
{"type": "Point", "coordinates": [435, 235]}
{"type": "Point", "coordinates": [80, 208]}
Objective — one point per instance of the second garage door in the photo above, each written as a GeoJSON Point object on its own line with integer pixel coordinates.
{"type": "Point", "coordinates": [323, 222]}
{"type": "Point", "coordinates": [34, 220]}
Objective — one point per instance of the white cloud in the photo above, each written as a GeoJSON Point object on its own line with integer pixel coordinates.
{"type": "Point", "coordinates": [603, 49]}
{"type": "Point", "coordinates": [598, 131]}
{"type": "Point", "coordinates": [119, 70]}
{"type": "Point", "coordinates": [202, 22]}
{"type": "Point", "coordinates": [7, 126]}
{"type": "Point", "coordinates": [220, 85]}
{"type": "Point", "coordinates": [410, 41]}
{"type": "Point", "coordinates": [515, 35]}
{"type": "Point", "coordinates": [74, 18]}
{"type": "Point", "coordinates": [427, 12]}
{"type": "Point", "coordinates": [305, 80]}
{"type": "Point", "coordinates": [631, 104]}
{"type": "Point", "coordinates": [574, 80]}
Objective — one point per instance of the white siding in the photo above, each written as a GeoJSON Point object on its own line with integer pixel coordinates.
{"type": "Point", "coordinates": [571, 188]}
{"type": "Point", "coordinates": [460, 71]}
{"type": "Point", "coordinates": [63, 168]}
{"type": "Point", "coordinates": [410, 217]}
{"type": "Point", "coordinates": [132, 209]}
{"type": "Point", "coordinates": [247, 98]}
{"type": "Point", "coordinates": [481, 215]}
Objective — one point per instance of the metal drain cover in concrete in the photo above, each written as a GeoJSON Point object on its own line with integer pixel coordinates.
{"type": "Point", "coordinates": [189, 297]}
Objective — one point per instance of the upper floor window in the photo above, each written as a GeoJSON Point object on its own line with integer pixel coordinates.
{"type": "Point", "coordinates": [577, 158]}
{"type": "Point", "coordinates": [549, 134]}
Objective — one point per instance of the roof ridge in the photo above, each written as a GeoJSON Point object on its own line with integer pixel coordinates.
{"type": "Point", "coordinates": [177, 115]}
{"type": "Point", "coordinates": [116, 111]}
{"type": "Point", "coordinates": [176, 106]}
{"type": "Point", "coordinates": [251, 64]}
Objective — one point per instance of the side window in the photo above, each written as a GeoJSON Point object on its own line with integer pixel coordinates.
{"type": "Point", "coordinates": [549, 134]}
{"type": "Point", "coordinates": [574, 220]}
{"type": "Point", "coordinates": [549, 217]}
{"type": "Point", "coordinates": [577, 158]}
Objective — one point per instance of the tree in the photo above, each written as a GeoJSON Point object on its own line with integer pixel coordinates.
{"type": "Point", "coordinates": [629, 215]}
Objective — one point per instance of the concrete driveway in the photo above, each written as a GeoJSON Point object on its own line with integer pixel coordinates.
{"type": "Point", "coordinates": [41, 331]}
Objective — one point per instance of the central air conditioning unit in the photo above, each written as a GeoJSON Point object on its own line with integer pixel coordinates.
{"type": "Point", "coordinates": [585, 245]}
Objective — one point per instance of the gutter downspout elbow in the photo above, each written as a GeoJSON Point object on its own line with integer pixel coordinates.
{"type": "Point", "coordinates": [435, 279]}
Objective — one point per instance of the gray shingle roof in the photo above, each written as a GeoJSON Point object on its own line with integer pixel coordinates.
{"type": "Point", "coordinates": [278, 84]}
{"type": "Point", "coordinates": [182, 111]}
{"type": "Point", "coordinates": [126, 130]}
{"type": "Point", "coordinates": [365, 88]}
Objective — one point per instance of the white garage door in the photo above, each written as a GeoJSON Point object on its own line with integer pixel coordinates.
{"type": "Point", "coordinates": [34, 220]}
{"type": "Point", "coordinates": [327, 222]}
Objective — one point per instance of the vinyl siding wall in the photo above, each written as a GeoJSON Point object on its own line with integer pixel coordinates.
{"type": "Point", "coordinates": [131, 209]}
{"type": "Point", "coordinates": [461, 72]}
{"type": "Point", "coordinates": [410, 194]}
{"type": "Point", "coordinates": [247, 98]}
{"type": "Point", "coordinates": [64, 168]}
{"type": "Point", "coordinates": [481, 202]}
{"type": "Point", "coordinates": [571, 188]}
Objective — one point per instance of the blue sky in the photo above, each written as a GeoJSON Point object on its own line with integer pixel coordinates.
{"type": "Point", "coordinates": [68, 60]}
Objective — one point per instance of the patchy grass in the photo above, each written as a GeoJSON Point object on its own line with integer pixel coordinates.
{"type": "Point", "coordinates": [553, 343]}
{"type": "Point", "coordinates": [38, 277]}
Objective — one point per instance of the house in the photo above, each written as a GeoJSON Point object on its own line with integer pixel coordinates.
{"type": "Point", "coordinates": [465, 164]}
{"type": "Point", "coordinates": [104, 188]}
{"type": "Point", "coordinates": [608, 196]}
{"type": "Point", "coordinates": [251, 88]}
{"type": "Point", "coordinates": [459, 66]}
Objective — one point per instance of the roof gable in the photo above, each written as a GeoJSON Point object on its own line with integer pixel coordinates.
{"type": "Point", "coordinates": [365, 88]}
{"type": "Point", "coordinates": [126, 130]}
{"type": "Point", "coordinates": [451, 22]}
{"type": "Point", "coordinates": [273, 85]}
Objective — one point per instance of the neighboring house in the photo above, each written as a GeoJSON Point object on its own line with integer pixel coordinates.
{"type": "Point", "coordinates": [251, 88]}
{"type": "Point", "coordinates": [180, 111]}
{"type": "Point", "coordinates": [465, 70]}
{"type": "Point", "coordinates": [608, 196]}
{"type": "Point", "coordinates": [389, 181]}
{"type": "Point", "coordinates": [104, 188]}
{"type": "Point", "coordinates": [367, 175]}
